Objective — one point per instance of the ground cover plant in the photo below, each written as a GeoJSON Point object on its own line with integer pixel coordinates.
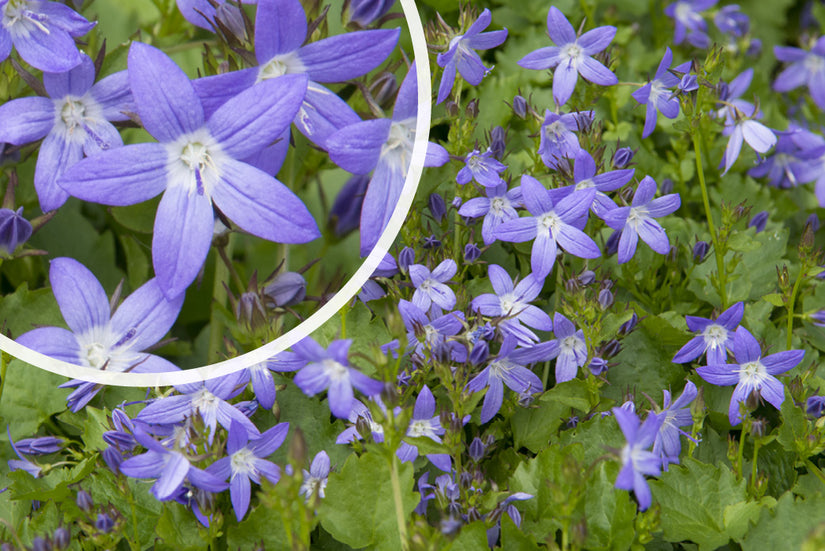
{"type": "Point", "coordinates": [599, 328]}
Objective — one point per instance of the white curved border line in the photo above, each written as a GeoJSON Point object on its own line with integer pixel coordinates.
{"type": "Point", "coordinates": [349, 290]}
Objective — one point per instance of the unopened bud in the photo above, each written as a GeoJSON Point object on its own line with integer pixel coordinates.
{"type": "Point", "coordinates": [605, 299]}
{"type": "Point", "coordinates": [700, 251]}
{"type": "Point", "coordinates": [477, 449]}
{"type": "Point", "coordinates": [622, 157]}
{"type": "Point", "coordinates": [586, 277]}
{"type": "Point", "coordinates": [438, 208]}
{"type": "Point", "coordinates": [520, 106]}
{"type": "Point", "coordinates": [666, 187]}
{"type": "Point", "coordinates": [84, 501]}
{"type": "Point", "coordinates": [14, 230]}
{"type": "Point", "coordinates": [287, 289]}
{"type": "Point", "coordinates": [497, 142]}
{"type": "Point", "coordinates": [104, 523]}
{"type": "Point", "coordinates": [405, 258]}
{"type": "Point", "coordinates": [384, 89]}
{"type": "Point", "coordinates": [62, 538]}
{"type": "Point", "coordinates": [598, 366]}
{"type": "Point", "coordinates": [471, 253]}
{"type": "Point", "coordinates": [759, 221]}
{"type": "Point", "coordinates": [629, 325]}
{"type": "Point", "coordinates": [472, 109]}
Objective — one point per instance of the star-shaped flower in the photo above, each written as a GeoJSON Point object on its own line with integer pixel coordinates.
{"type": "Point", "coordinates": [197, 163]}
{"type": "Point", "coordinates": [571, 56]}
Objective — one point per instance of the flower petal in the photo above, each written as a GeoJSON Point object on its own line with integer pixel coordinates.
{"type": "Point", "coordinates": [346, 56]}
{"type": "Point", "coordinates": [145, 316]}
{"type": "Point", "coordinates": [280, 28]}
{"type": "Point", "coordinates": [56, 342]}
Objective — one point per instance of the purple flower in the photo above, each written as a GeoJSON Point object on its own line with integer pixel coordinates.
{"type": "Point", "coordinates": [315, 479]}
{"type": "Point", "coordinates": [280, 31]}
{"type": "Point", "coordinates": [759, 221]}
{"type": "Point", "coordinates": [656, 94]}
{"type": "Point", "coordinates": [730, 20]}
{"type": "Point", "coordinates": [21, 463]}
{"type": "Point", "coordinates": [689, 21]}
{"type": "Point", "coordinates": [208, 14]}
{"type": "Point", "coordinates": [460, 55]}
{"type": "Point", "coordinates": [571, 348]}
{"type": "Point", "coordinates": [425, 422]}
{"type": "Point", "coordinates": [572, 56]}
{"type": "Point", "coordinates": [431, 293]}
{"type": "Point", "coordinates": [636, 460]}
{"type": "Point", "coordinates": [557, 139]}
{"type": "Point", "coordinates": [811, 164]}
{"type": "Point", "coordinates": [716, 337]}
{"type": "Point", "coordinates": [510, 301]}
{"type": "Point", "coordinates": [585, 177]}
{"type": "Point", "coordinates": [361, 412]}
{"type": "Point", "coordinates": [383, 146]}
{"type": "Point", "coordinates": [208, 399]}
{"type": "Point", "coordinates": [509, 369]}
{"type": "Point", "coordinates": [667, 445]}
{"type": "Point", "coordinates": [481, 167]}
{"type": "Point", "coordinates": [365, 12]}
{"type": "Point", "coordinates": [74, 121]}
{"type": "Point", "coordinates": [806, 68]}
{"type": "Point", "coordinates": [498, 207]}
{"type": "Point", "coordinates": [637, 220]}
{"type": "Point", "coordinates": [424, 335]}
{"type": "Point", "coordinates": [197, 163]}
{"type": "Point", "coordinates": [756, 134]}
{"type": "Point", "coordinates": [42, 445]}
{"type": "Point", "coordinates": [96, 338]}
{"type": "Point", "coordinates": [551, 225]}
{"type": "Point", "coordinates": [330, 369]}
{"type": "Point", "coordinates": [731, 93]}
{"type": "Point", "coordinates": [787, 166]}
{"type": "Point", "coordinates": [261, 376]}
{"type": "Point", "coordinates": [171, 468]}
{"type": "Point", "coordinates": [43, 33]}
{"type": "Point", "coordinates": [245, 462]}
{"type": "Point", "coordinates": [752, 373]}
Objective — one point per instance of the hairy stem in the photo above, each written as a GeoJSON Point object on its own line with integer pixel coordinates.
{"type": "Point", "coordinates": [399, 506]}
{"type": "Point", "coordinates": [791, 302]}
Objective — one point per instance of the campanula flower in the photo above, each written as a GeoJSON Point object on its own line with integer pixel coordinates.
{"type": "Point", "coordinates": [806, 68]}
{"type": "Point", "coordinates": [431, 292]}
{"type": "Point", "coordinates": [460, 55]}
{"type": "Point", "coordinates": [498, 207]}
{"type": "Point", "coordinates": [754, 133]}
{"type": "Point", "coordinates": [637, 461]}
{"type": "Point", "coordinates": [425, 422]}
{"type": "Point", "coordinates": [383, 147]}
{"type": "Point", "coordinates": [656, 95]}
{"type": "Point", "coordinates": [550, 226]}
{"type": "Point", "coordinates": [690, 24]}
{"type": "Point", "coordinates": [430, 336]}
{"type": "Point", "coordinates": [557, 138]}
{"type": "Point", "coordinates": [330, 369]}
{"type": "Point", "coordinates": [43, 33]}
{"type": "Point", "coordinates": [667, 444]}
{"type": "Point", "coordinates": [315, 479]}
{"type": "Point", "coordinates": [245, 461]}
{"type": "Point", "coordinates": [752, 373]}
{"type": "Point", "coordinates": [730, 20]}
{"type": "Point", "coordinates": [73, 122]}
{"type": "Point", "coordinates": [716, 337]}
{"type": "Point", "coordinates": [96, 338]}
{"type": "Point", "coordinates": [21, 463]}
{"type": "Point", "coordinates": [571, 348]}
{"type": "Point", "coordinates": [510, 301]}
{"type": "Point", "coordinates": [197, 162]}
{"type": "Point", "coordinates": [585, 177]}
{"type": "Point", "coordinates": [571, 56]}
{"type": "Point", "coordinates": [637, 220]}
{"type": "Point", "coordinates": [481, 167]}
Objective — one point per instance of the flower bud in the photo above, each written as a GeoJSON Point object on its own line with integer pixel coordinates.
{"type": "Point", "coordinates": [104, 523]}
{"type": "Point", "coordinates": [14, 230]}
{"type": "Point", "coordinates": [471, 253]}
{"type": "Point", "coordinates": [586, 277]}
{"type": "Point", "coordinates": [598, 366]}
{"type": "Point", "coordinates": [365, 12]}
{"type": "Point", "coordinates": [437, 206]}
{"type": "Point", "coordinates": [689, 83]}
{"type": "Point", "coordinates": [611, 348]}
{"type": "Point", "coordinates": [759, 220]}
{"type": "Point", "coordinates": [40, 544]}
{"type": "Point", "coordinates": [605, 299]}
{"type": "Point", "coordinates": [345, 214]}
{"type": "Point", "coordinates": [700, 251]}
{"type": "Point", "coordinates": [477, 449]}
{"type": "Point", "coordinates": [628, 326]}
{"type": "Point", "coordinates": [758, 427]}
{"type": "Point", "coordinates": [815, 406]}
{"type": "Point", "coordinates": [287, 289]}
{"type": "Point", "coordinates": [405, 258]}
{"type": "Point", "coordinates": [456, 202]}
{"type": "Point", "coordinates": [666, 187]}
{"type": "Point", "coordinates": [431, 242]}
{"type": "Point", "coordinates": [754, 48]}
{"type": "Point", "coordinates": [622, 157]}
{"type": "Point", "coordinates": [480, 352]}
{"type": "Point", "coordinates": [384, 89]}
{"type": "Point", "coordinates": [250, 311]}
{"type": "Point", "coordinates": [39, 446]}
{"type": "Point", "coordinates": [471, 111]}
{"type": "Point", "coordinates": [497, 142]}
{"type": "Point", "coordinates": [520, 106]}
{"type": "Point", "coordinates": [84, 501]}
{"type": "Point", "coordinates": [230, 18]}
{"type": "Point", "coordinates": [611, 247]}
{"type": "Point", "coordinates": [62, 538]}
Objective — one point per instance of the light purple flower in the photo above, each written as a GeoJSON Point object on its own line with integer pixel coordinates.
{"type": "Point", "coordinates": [431, 293]}
{"type": "Point", "coordinates": [383, 146]}
{"type": "Point", "coordinates": [657, 96]}
{"type": "Point", "coordinates": [667, 445]}
{"type": "Point", "coordinates": [571, 56]}
{"type": "Point", "coordinates": [552, 224]}
{"type": "Point", "coordinates": [571, 348]}
{"type": "Point", "coordinates": [756, 134]}
{"type": "Point", "coordinates": [195, 164]}
{"type": "Point", "coordinates": [716, 336]}
{"type": "Point", "coordinates": [481, 167]}
{"type": "Point", "coordinates": [43, 33]}
{"type": "Point", "coordinates": [425, 422]}
{"type": "Point", "coordinates": [330, 369]}
{"type": "Point", "coordinates": [636, 460]}
{"type": "Point", "coordinates": [73, 122]}
{"type": "Point", "coordinates": [424, 335]}
{"type": "Point", "coordinates": [687, 14]}
{"type": "Point", "coordinates": [315, 479]}
{"type": "Point", "coordinates": [206, 14]}
{"type": "Point", "coordinates": [752, 373]}
{"type": "Point", "coordinates": [97, 338]}
{"type": "Point", "coordinates": [637, 220]}
{"type": "Point", "coordinates": [461, 56]}
{"type": "Point", "coordinates": [585, 177]}
{"type": "Point", "coordinates": [260, 375]}
{"type": "Point", "coordinates": [557, 138]}
{"type": "Point", "coordinates": [510, 301]}
{"type": "Point", "coordinates": [806, 68]}
{"type": "Point", "coordinates": [498, 207]}
{"type": "Point", "coordinates": [245, 461]}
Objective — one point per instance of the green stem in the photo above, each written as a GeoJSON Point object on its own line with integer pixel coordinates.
{"type": "Point", "coordinates": [814, 469]}
{"type": "Point", "coordinates": [399, 505]}
{"type": "Point", "coordinates": [756, 446]}
{"type": "Point", "coordinates": [4, 364]}
{"type": "Point", "coordinates": [219, 297]}
{"type": "Point", "coordinates": [720, 258]}
{"type": "Point", "coordinates": [797, 284]}
{"type": "Point", "coordinates": [741, 451]}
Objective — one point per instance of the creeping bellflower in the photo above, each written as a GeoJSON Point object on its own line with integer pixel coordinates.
{"type": "Point", "coordinates": [498, 207]}
{"type": "Point", "coordinates": [716, 337]}
{"type": "Point", "coordinates": [637, 461]}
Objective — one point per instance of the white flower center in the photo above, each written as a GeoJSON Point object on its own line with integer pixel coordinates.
{"type": "Point", "coordinates": [656, 90]}
{"type": "Point", "coordinates": [243, 462]}
{"type": "Point", "coordinates": [549, 221]}
{"type": "Point", "coordinates": [205, 401]}
{"type": "Point", "coordinates": [418, 428]}
{"type": "Point", "coordinates": [96, 355]}
{"type": "Point", "coordinates": [753, 372]}
{"type": "Point", "coordinates": [585, 184]}
{"type": "Point", "coordinates": [335, 370]}
{"type": "Point", "coordinates": [509, 304]}
{"type": "Point", "coordinates": [573, 52]}
{"type": "Point", "coordinates": [499, 367]}
{"type": "Point", "coordinates": [814, 63]}
{"type": "Point", "coordinates": [398, 148]}
{"type": "Point", "coordinates": [636, 216]}
{"type": "Point", "coordinates": [20, 20]}
{"type": "Point", "coordinates": [73, 117]}
{"type": "Point", "coordinates": [715, 335]}
{"type": "Point", "coordinates": [555, 130]}
{"type": "Point", "coordinates": [194, 160]}
{"type": "Point", "coordinates": [282, 64]}
{"type": "Point", "coordinates": [498, 204]}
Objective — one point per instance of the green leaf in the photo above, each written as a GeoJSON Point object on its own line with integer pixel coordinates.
{"type": "Point", "coordinates": [739, 516]}
{"type": "Point", "coordinates": [533, 427]}
{"type": "Point", "coordinates": [693, 499]}
{"type": "Point", "coordinates": [787, 525]}
{"type": "Point", "coordinates": [137, 262]}
{"type": "Point", "coordinates": [359, 507]}
{"type": "Point", "coordinates": [52, 486]}
{"type": "Point", "coordinates": [261, 525]}
{"type": "Point", "coordinates": [179, 529]}
{"type": "Point", "coordinates": [794, 426]}
{"type": "Point", "coordinates": [30, 397]}
{"type": "Point", "coordinates": [471, 538]}
{"type": "Point", "coordinates": [513, 538]}
{"type": "Point", "coordinates": [609, 512]}
{"type": "Point", "coordinates": [775, 299]}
